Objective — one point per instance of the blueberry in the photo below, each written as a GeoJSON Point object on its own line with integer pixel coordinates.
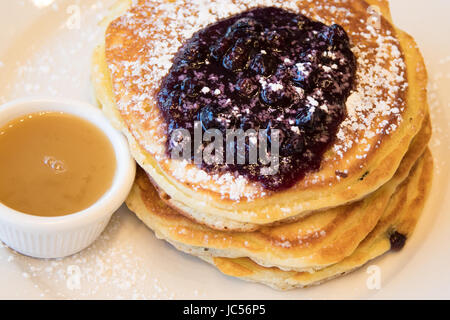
{"type": "Point", "coordinates": [273, 39]}
{"type": "Point", "coordinates": [304, 118]}
{"type": "Point", "coordinates": [237, 57]}
{"type": "Point", "coordinates": [207, 116]}
{"type": "Point", "coordinates": [192, 53]}
{"type": "Point", "coordinates": [190, 87]}
{"type": "Point", "coordinates": [301, 73]}
{"type": "Point", "coordinates": [312, 56]}
{"type": "Point", "coordinates": [274, 95]}
{"type": "Point", "coordinates": [165, 102]}
{"type": "Point", "coordinates": [168, 98]}
{"type": "Point", "coordinates": [269, 96]}
{"type": "Point", "coordinates": [292, 144]}
{"type": "Point", "coordinates": [220, 49]}
{"type": "Point", "coordinates": [336, 37]}
{"type": "Point", "coordinates": [243, 30]}
{"type": "Point", "coordinates": [247, 87]}
{"type": "Point", "coordinates": [245, 26]}
{"type": "Point", "coordinates": [397, 241]}
{"type": "Point", "coordinates": [263, 64]}
{"type": "Point", "coordinates": [248, 122]}
{"type": "Point", "coordinates": [327, 84]}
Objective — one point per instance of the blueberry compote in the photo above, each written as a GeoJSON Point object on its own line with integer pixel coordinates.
{"type": "Point", "coordinates": [263, 69]}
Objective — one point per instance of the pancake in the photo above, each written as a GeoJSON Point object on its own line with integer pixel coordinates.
{"type": "Point", "coordinates": [311, 243]}
{"type": "Point", "coordinates": [384, 113]}
{"type": "Point", "coordinates": [401, 217]}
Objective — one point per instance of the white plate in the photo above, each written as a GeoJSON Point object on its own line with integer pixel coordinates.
{"type": "Point", "coordinates": [45, 50]}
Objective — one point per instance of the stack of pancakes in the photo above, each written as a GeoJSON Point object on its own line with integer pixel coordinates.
{"type": "Point", "coordinates": [364, 200]}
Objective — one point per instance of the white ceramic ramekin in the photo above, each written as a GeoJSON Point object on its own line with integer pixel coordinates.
{"type": "Point", "coordinates": [55, 237]}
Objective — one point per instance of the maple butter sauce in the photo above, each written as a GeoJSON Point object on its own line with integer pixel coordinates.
{"type": "Point", "coordinates": [54, 164]}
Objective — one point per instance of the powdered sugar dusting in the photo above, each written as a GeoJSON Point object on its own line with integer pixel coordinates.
{"type": "Point", "coordinates": [112, 272]}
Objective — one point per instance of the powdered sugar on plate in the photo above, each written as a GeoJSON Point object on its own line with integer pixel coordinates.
{"type": "Point", "coordinates": [103, 269]}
